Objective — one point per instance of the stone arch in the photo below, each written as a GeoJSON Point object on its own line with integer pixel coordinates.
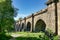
{"type": "Point", "coordinates": [22, 26]}
{"type": "Point", "coordinates": [28, 26]}
{"type": "Point", "coordinates": [40, 26]}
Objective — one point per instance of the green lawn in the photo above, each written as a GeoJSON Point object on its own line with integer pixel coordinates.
{"type": "Point", "coordinates": [29, 36]}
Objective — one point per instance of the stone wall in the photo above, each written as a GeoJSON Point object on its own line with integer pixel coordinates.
{"type": "Point", "coordinates": [58, 7]}
{"type": "Point", "coordinates": [50, 15]}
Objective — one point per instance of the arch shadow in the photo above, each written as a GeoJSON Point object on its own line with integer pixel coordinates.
{"type": "Point", "coordinates": [28, 26]}
{"type": "Point", "coordinates": [40, 26]}
{"type": "Point", "coordinates": [22, 26]}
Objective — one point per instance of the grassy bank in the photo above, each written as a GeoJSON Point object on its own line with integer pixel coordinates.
{"type": "Point", "coordinates": [31, 36]}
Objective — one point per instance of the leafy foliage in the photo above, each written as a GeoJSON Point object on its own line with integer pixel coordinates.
{"type": "Point", "coordinates": [7, 13]}
{"type": "Point", "coordinates": [3, 36]}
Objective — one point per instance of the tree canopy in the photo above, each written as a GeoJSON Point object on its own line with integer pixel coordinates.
{"type": "Point", "coordinates": [7, 13]}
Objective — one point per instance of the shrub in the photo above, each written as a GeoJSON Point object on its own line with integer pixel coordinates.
{"type": "Point", "coordinates": [48, 35]}
{"type": "Point", "coordinates": [3, 36]}
{"type": "Point", "coordinates": [55, 38]}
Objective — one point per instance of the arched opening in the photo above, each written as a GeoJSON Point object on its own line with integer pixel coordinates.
{"type": "Point", "coordinates": [28, 26]}
{"type": "Point", "coordinates": [22, 26]}
{"type": "Point", "coordinates": [40, 26]}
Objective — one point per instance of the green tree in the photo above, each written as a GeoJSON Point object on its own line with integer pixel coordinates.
{"type": "Point", "coordinates": [7, 13]}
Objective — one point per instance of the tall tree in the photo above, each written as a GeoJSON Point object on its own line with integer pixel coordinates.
{"type": "Point", "coordinates": [7, 13]}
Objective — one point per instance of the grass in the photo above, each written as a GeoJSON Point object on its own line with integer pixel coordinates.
{"type": "Point", "coordinates": [28, 36]}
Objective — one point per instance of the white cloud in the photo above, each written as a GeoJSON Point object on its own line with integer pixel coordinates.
{"type": "Point", "coordinates": [20, 15]}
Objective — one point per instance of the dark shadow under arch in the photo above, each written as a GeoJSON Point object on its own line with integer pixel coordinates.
{"type": "Point", "coordinates": [28, 26]}
{"type": "Point", "coordinates": [40, 26]}
{"type": "Point", "coordinates": [22, 26]}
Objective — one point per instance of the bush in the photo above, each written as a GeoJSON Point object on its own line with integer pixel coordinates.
{"type": "Point", "coordinates": [48, 36]}
{"type": "Point", "coordinates": [55, 38]}
{"type": "Point", "coordinates": [43, 36]}
{"type": "Point", "coordinates": [3, 36]}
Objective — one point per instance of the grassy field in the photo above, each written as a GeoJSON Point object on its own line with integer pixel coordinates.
{"type": "Point", "coordinates": [29, 36]}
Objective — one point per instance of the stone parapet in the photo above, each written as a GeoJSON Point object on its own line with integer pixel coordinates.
{"type": "Point", "coordinates": [49, 2]}
{"type": "Point", "coordinates": [41, 12]}
{"type": "Point", "coordinates": [37, 13]}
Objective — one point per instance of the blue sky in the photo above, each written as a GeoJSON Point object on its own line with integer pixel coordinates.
{"type": "Point", "coordinates": [27, 7]}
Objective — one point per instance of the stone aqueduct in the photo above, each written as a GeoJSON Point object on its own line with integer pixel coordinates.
{"type": "Point", "coordinates": [45, 19]}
